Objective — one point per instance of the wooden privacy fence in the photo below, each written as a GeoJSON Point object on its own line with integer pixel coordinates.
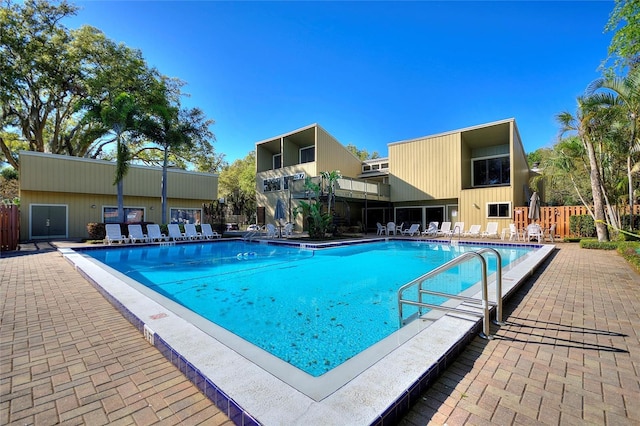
{"type": "Point", "coordinates": [9, 227]}
{"type": "Point", "coordinates": [549, 215]}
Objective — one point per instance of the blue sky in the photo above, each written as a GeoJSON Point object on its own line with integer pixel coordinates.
{"type": "Point", "coordinates": [370, 73]}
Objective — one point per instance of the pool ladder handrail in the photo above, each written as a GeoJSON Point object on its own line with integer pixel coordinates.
{"type": "Point", "coordinates": [485, 296]}
{"type": "Point", "coordinates": [454, 233]}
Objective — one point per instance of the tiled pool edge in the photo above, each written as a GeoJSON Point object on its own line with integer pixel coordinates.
{"type": "Point", "coordinates": [225, 403]}
{"type": "Point", "coordinates": [240, 416]}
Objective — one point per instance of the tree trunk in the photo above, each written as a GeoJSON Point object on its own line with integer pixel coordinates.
{"type": "Point", "coordinates": [598, 198]}
{"type": "Point", "coordinates": [164, 185]}
{"type": "Point", "coordinates": [120, 188]}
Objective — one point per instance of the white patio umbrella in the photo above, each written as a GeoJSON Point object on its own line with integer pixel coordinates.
{"type": "Point", "coordinates": [534, 207]}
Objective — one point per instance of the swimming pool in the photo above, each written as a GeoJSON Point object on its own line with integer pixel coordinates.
{"type": "Point", "coordinates": [248, 382]}
{"type": "Point", "coordinates": [314, 309]}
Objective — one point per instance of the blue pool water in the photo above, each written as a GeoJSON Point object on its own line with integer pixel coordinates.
{"type": "Point", "coordinates": [312, 308]}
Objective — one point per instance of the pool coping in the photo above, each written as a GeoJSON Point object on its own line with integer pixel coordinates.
{"type": "Point", "coordinates": [250, 395]}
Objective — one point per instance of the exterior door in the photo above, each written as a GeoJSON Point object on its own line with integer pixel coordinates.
{"type": "Point", "coordinates": [48, 221]}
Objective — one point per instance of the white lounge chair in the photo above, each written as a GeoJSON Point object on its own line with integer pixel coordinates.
{"type": "Point", "coordinates": [174, 232]}
{"type": "Point", "coordinates": [272, 232]}
{"type": "Point", "coordinates": [413, 229]}
{"type": "Point", "coordinates": [209, 233]}
{"type": "Point", "coordinates": [191, 233]}
{"type": "Point", "coordinates": [445, 229]}
{"type": "Point", "coordinates": [491, 231]}
{"type": "Point", "coordinates": [432, 229]}
{"type": "Point", "coordinates": [113, 234]}
{"type": "Point", "coordinates": [135, 234]}
{"type": "Point", "coordinates": [458, 229]}
{"type": "Point", "coordinates": [154, 233]}
{"type": "Point", "coordinates": [474, 231]}
{"type": "Point", "coordinates": [391, 227]}
{"type": "Point", "coordinates": [382, 230]}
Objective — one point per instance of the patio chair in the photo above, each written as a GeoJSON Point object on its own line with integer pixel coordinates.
{"type": "Point", "coordinates": [534, 231]}
{"type": "Point", "coordinates": [191, 233]}
{"type": "Point", "coordinates": [209, 233]}
{"type": "Point", "coordinates": [432, 229]}
{"type": "Point", "coordinates": [154, 233]}
{"type": "Point", "coordinates": [391, 227]}
{"type": "Point", "coordinates": [491, 231]}
{"type": "Point", "coordinates": [287, 231]}
{"type": "Point", "coordinates": [551, 233]}
{"type": "Point", "coordinates": [445, 229]}
{"type": "Point", "coordinates": [113, 234]}
{"type": "Point", "coordinates": [174, 232]}
{"type": "Point", "coordinates": [474, 231]}
{"type": "Point", "coordinates": [399, 228]}
{"type": "Point", "coordinates": [413, 229]}
{"type": "Point", "coordinates": [381, 229]}
{"type": "Point", "coordinates": [135, 234]}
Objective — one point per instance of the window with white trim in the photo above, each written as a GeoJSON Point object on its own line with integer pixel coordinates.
{"type": "Point", "coordinates": [307, 154]}
{"type": "Point", "coordinates": [131, 214]}
{"type": "Point", "coordinates": [185, 215]}
{"type": "Point", "coordinates": [272, 184]}
{"type": "Point", "coordinates": [499, 210]}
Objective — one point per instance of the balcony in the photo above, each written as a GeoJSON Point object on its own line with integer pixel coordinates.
{"type": "Point", "coordinates": [348, 188]}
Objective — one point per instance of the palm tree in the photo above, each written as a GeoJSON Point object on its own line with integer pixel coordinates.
{"type": "Point", "coordinates": [118, 118]}
{"type": "Point", "coordinates": [584, 124]}
{"type": "Point", "coordinates": [627, 96]}
{"type": "Point", "coordinates": [174, 129]}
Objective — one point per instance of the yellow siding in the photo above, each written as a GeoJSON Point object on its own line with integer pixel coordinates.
{"type": "Point", "coordinates": [425, 169]}
{"type": "Point", "coordinates": [332, 155]}
{"type": "Point", "coordinates": [473, 205]}
{"type": "Point", "coordinates": [79, 184]}
{"type": "Point", "coordinates": [59, 173]}
{"type": "Point", "coordinates": [519, 168]}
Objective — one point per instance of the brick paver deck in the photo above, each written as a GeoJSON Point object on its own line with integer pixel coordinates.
{"type": "Point", "coordinates": [67, 356]}
{"type": "Point", "coordinates": [569, 354]}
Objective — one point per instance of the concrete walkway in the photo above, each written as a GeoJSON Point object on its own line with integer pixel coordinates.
{"type": "Point", "coordinates": [569, 353]}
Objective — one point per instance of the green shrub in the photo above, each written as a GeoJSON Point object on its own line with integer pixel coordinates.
{"type": "Point", "coordinates": [595, 244]}
{"type": "Point", "coordinates": [96, 231]}
{"type": "Point", "coordinates": [631, 252]}
{"type": "Point", "coordinates": [582, 225]}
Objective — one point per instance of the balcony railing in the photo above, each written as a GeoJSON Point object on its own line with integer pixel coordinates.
{"type": "Point", "coordinates": [345, 187]}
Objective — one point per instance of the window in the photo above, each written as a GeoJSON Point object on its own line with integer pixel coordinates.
{"type": "Point", "coordinates": [273, 184]}
{"type": "Point", "coordinates": [307, 155]}
{"type": "Point", "coordinates": [277, 161]}
{"type": "Point", "coordinates": [499, 210]}
{"type": "Point", "coordinates": [366, 168]}
{"type": "Point", "coordinates": [491, 171]}
{"type": "Point", "coordinates": [131, 214]}
{"type": "Point", "coordinates": [185, 216]}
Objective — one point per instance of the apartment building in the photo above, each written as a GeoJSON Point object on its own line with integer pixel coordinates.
{"type": "Point", "coordinates": [60, 195]}
{"type": "Point", "coordinates": [473, 175]}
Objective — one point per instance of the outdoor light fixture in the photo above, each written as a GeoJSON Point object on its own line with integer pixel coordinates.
{"type": "Point", "coordinates": [476, 206]}
{"type": "Point", "coordinates": [93, 206]}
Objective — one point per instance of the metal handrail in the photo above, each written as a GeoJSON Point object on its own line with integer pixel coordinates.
{"type": "Point", "coordinates": [485, 297]}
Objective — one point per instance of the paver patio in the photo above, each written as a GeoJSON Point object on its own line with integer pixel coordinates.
{"type": "Point", "coordinates": [569, 353]}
